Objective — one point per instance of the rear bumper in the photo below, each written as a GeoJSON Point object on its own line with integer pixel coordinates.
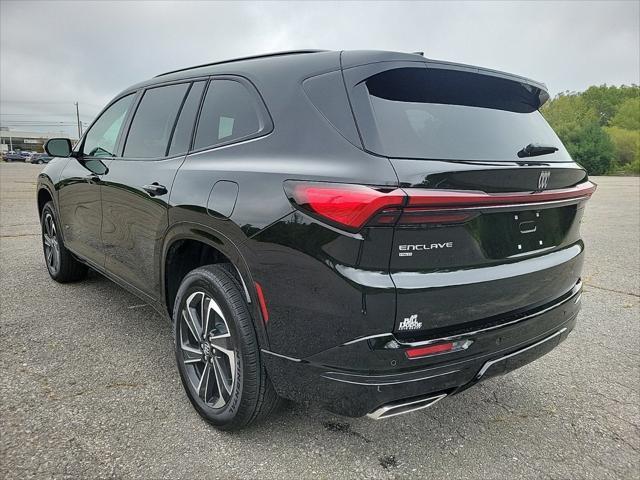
{"type": "Point", "coordinates": [358, 378]}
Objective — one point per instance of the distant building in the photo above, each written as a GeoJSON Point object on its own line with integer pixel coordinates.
{"type": "Point", "coordinates": [32, 141]}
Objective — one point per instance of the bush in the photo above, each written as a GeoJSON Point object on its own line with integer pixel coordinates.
{"type": "Point", "coordinates": [628, 115]}
{"type": "Point", "coordinates": [626, 144]}
{"type": "Point", "coordinates": [600, 127]}
{"type": "Point", "coordinates": [592, 148]}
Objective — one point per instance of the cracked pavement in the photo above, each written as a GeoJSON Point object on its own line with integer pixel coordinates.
{"type": "Point", "coordinates": [89, 387]}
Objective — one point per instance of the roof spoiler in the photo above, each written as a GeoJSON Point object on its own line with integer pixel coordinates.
{"type": "Point", "coordinates": [239, 59]}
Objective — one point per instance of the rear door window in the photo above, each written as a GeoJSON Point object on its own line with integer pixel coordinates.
{"type": "Point", "coordinates": [446, 114]}
{"type": "Point", "coordinates": [153, 121]}
{"type": "Point", "coordinates": [230, 112]}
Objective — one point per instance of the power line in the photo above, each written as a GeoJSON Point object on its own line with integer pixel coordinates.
{"type": "Point", "coordinates": [41, 125]}
{"type": "Point", "coordinates": [41, 115]}
{"type": "Point", "coordinates": [36, 102]}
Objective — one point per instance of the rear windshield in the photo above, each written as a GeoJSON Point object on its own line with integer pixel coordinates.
{"type": "Point", "coordinates": [454, 115]}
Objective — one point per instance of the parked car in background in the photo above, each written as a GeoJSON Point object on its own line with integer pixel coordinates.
{"type": "Point", "coordinates": [40, 158]}
{"type": "Point", "coordinates": [374, 231]}
{"type": "Point", "coordinates": [16, 156]}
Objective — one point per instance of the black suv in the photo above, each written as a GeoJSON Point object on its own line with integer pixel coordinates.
{"type": "Point", "coordinates": [370, 230]}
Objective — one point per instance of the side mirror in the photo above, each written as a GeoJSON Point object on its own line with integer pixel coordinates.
{"type": "Point", "coordinates": [58, 147]}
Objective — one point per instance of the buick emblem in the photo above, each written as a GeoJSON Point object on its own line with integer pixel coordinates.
{"type": "Point", "coordinates": [543, 179]}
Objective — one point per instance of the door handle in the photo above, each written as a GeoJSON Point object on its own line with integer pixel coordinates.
{"type": "Point", "coordinates": [155, 189]}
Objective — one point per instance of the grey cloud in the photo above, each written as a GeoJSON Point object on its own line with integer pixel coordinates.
{"type": "Point", "coordinates": [88, 51]}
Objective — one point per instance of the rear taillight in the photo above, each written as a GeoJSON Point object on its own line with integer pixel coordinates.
{"type": "Point", "coordinates": [348, 206]}
{"type": "Point", "coordinates": [436, 349]}
{"type": "Point", "coordinates": [353, 206]}
{"type": "Point", "coordinates": [417, 352]}
{"type": "Point", "coordinates": [447, 199]}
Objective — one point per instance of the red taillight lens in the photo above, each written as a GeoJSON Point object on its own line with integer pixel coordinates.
{"type": "Point", "coordinates": [429, 350]}
{"type": "Point", "coordinates": [421, 216]}
{"type": "Point", "coordinates": [349, 206]}
{"type": "Point", "coordinates": [464, 199]}
{"type": "Point", "coordinates": [352, 206]}
{"type": "Point", "coordinates": [437, 348]}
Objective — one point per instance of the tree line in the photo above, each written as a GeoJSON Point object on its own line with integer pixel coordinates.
{"type": "Point", "coordinates": [600, 127]}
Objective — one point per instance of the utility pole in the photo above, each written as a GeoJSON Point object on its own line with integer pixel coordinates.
{"type": "Point", "coordinates": [78, 118]}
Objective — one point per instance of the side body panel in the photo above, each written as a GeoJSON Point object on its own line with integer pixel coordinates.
{"type": "Point", "coordinates": [134, 222]}
{"type": "Point", "coordinates": [80, 210]}
{"type": "Point", "coordinates": [322, 287]}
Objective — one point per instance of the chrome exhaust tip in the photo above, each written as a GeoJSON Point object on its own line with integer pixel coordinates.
{"type": "Point", "coordinates": [401, 407]}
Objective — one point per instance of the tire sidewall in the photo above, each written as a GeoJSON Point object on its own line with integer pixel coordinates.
{"type": "Point", "coordinates": [48, 208]}
{"type": "Point", "coordinates": [204, 280]}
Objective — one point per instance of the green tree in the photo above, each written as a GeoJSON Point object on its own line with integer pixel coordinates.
{"type": "Point", "coordinates": [578, 125]}
{"type": "Point", "coordinates": [592, 148]}
{"type": "Point", "coordinates": [600, 127]}
{"type": "Point", "coordinates": [626, 144]}
{"type": "Point", "coordinates": [628, 115]}
{"type": "Point", "coordinates": [605, 100]}
{"type": "Point", "coordinates": [568, 112]}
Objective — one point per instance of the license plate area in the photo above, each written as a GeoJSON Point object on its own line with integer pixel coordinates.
{"type": "Point", "coordinates": [509, 234]}
{"type": "Point", "coordinates": [528, 232]}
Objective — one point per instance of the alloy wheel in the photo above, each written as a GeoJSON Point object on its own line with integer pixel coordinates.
{"type": "Point", "coordinates": [207, 349]}
{"type": "Point", "coordinates": [51, 244]}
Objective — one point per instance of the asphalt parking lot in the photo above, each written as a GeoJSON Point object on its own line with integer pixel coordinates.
{"type": "Point", "coordinates": [89, 387]}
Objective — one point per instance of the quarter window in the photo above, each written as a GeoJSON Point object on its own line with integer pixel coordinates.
{"type": "Point", "coordinates": [229, 113]}
{"type": "Point", "coordinates": [154, 120]}
{"type": "Point", "coordinates": [100, 140]}
{"type": "Point", "coordinates": [184, 128]}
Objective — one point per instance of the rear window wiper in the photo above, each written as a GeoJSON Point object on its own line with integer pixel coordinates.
{"type": "Point", "coordinates": [534, 149]}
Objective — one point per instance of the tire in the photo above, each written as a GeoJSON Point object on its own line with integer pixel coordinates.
{"type": "Point", "coordinates": [222, 374]}
{"type": "Point", "coordinates": [40, 162]}
{"type": "Point", "coordinates": [61, 264]}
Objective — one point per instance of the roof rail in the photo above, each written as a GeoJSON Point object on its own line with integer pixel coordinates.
{"type": "Point", "coordinates": [264, 55]}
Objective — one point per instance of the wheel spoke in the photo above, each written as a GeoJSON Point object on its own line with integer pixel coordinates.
{"type": "Point", "coordinates": [222, 374]}
{"type": "Point", "coordinates": [206, 315]}
{"type": "Point", "coordinates": [56, 257]}
{"type": "Point", "coordinates": [203, 381]}
{"type": "Point", "coordinates": [49, 253]}
{"type": "Point", "coordinates": [222, 392]}
{"type": "Point", "coordinates": [190, 354]}
{"type": "Point", "coordinates": [221, 342]}
{"type": "Point", "coordinates": [207, 381]}
{"type": "Point", "coordinates": [188, 349]}
{"type": "Point", "coordinates": [194, 314]}
{"type": "Point", "coordinates": [188, 320]}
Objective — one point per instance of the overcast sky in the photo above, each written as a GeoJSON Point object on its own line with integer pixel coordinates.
{"type": "Point", "coordinates": [55, 53]}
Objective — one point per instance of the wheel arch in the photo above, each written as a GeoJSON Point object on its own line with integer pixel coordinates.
{"type": "Point", "coordinates": [44, 195]}
{"type": "Point", "coordinates": [188, 246]}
